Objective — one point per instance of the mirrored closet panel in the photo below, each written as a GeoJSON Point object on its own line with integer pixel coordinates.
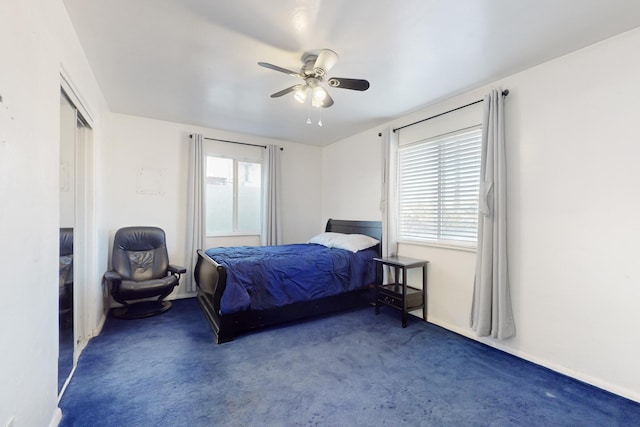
{"type": "Point", "coordinates": [67, 213]}
{"type": "Point", "coordinates": [73, 129]}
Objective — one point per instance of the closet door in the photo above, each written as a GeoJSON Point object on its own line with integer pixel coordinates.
{"type": "Point", "coordinates": [76, 202]}
{"type": "Point", "coordinates": [66, 282]}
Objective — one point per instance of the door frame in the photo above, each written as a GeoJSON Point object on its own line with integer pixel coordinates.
{"type": "Point", "coordinates": [84, 221]}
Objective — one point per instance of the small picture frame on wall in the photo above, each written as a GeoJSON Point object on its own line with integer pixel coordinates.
{"type": "Point", "coordinates": [150, 182]}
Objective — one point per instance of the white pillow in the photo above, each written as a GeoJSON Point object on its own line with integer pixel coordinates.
{"type": "Point", "coordinates": [325, 239]}
{"type": "Point", "coordinates": [356, 242]}
{"type": "Point", "coordinates": [349, 242]}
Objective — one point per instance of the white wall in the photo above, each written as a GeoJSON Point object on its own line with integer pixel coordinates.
{"type": "Point", "coordinates": [351, 178]}
{"type": "Point", "coordinates": [572, 148]}
{"type": "Point", "coordinates": [139, 143]}
{"type": "Point", "coordinates": [36, 40]}
{"type": "Point", "coordinates": [152, 146]}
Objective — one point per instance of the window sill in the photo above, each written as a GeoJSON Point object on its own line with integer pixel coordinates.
{"type": "Point", "coordinates": [248, 234]}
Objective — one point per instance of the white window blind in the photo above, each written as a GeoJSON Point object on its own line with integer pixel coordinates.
{"type": "Point", "coordinates": [438, 183]}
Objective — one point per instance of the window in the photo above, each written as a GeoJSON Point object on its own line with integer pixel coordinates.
{"type": "Point", "coordinates": [233, 193]}
{"type": "Point", "coordinates": [438, 185]}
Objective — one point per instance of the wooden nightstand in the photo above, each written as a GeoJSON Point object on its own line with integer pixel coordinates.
{"type": "Point", "coordinates": [398, 294]}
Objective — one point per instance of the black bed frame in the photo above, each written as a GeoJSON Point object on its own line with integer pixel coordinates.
{"type": "Point", "coordinates": [211, 279]}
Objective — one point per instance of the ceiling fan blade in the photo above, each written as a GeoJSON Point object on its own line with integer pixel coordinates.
{"type": "Point", "coordinates": [282, 70]}
{"type": "Point", "coordinates": [325, 61]}
{"type": "Point", "coordinates": [353, 84]}
{"type": "Point", "coordinates": [285, 91]}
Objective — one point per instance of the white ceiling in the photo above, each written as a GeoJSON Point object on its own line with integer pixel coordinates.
{"type": "Point", "coordinates": [195, 61]}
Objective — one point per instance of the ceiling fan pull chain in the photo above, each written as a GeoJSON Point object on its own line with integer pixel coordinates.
{"type": "Point", "coordinates": [309, 111]}
{"type": "Point", "coordinates": [320, 120]}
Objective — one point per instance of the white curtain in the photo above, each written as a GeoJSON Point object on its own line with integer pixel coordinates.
{"type": "Point", "coordinates": [389, 199]}
{"type": "Point", "coordinates": [196, 233]}
{"type": "Point", "coordinates": [491, 312]}
{"type": "Point", "coordinates": [271, 210]}
{"type": "Point", "coordinates": [389, 191]}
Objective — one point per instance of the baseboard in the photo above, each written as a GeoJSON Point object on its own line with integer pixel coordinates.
{"type": "Point", "coordinates": [113, 304]}
{"type": "Point", "coordinates": [100, 325]}
{"type": "Point", "coordinates": [185, 296]}
{"type": "Point", "coordinates": [56, 418]}
{"type": "Point", "coordinates": [580, 376]}
{"type": "Point", "coordinates": [66, 382]}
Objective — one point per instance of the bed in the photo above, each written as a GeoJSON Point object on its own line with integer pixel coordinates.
{"type": "Point", "coordinates": [246, 288]}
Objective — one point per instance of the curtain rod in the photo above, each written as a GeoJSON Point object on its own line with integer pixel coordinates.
{"type": "Point", "coordinates": [234, 142]}
{"type": "Point", "coordinates": [504, 93]}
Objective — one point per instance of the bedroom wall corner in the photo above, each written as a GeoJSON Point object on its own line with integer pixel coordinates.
{"type": "Point", "coordinates": [351, 178]}
{"type": "Point", "coordinates": [571, 134]}
{"type": "Point", "coordinates": [141, 144]}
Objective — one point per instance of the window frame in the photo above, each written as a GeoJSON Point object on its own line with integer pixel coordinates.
{"type": "Point", "coordinates": [235, 159]}
{"type": "Point", "coordinates": [439, 241]}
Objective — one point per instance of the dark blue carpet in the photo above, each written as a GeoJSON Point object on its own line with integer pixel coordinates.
{"type": "Point", "coordinates": [350, 369]}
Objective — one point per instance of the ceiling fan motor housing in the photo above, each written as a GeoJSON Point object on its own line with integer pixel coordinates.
{"type": "Point", "coordinates": [309, 58]}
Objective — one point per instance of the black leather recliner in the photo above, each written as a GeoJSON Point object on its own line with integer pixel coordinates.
{"type": "Point", "coordinates": [65, 278]}
{"type": "Point", "coordinates": [141, 270]}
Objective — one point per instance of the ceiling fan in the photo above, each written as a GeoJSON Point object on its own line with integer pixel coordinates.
{"type": "Point", "coordinates": [313, 71]}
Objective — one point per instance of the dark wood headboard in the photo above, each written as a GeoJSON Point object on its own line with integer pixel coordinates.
{"type": "Point", "coordinates": [369, 228]}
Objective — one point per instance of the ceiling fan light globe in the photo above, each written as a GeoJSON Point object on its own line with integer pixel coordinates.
{"type": "Point", "coordinates": [319, 93]}
{"type": "Point", "coordinates": [300, 95]}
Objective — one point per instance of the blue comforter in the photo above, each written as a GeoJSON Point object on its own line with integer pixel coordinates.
{"type": "Point", "coordinates": [264, 277]}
